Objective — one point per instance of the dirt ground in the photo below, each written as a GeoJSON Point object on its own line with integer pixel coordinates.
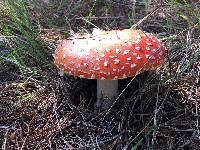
{"type": "Point", "coordinates": [39, 109]}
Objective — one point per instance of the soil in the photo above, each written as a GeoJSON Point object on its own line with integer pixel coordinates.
{"type": "Point", "coordinates": [158, 110]}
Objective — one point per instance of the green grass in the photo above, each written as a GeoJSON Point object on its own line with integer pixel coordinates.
{"type": "Point", "coordinates": [186, 15]}
{"type": "Point", "coordinates": [18, 30]}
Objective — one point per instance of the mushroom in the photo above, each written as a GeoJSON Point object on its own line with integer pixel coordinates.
{"type": "Point", "coordinates": [108, 56]}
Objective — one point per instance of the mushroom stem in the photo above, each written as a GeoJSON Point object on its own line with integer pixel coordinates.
{"type": "Point", "coordinates": [107, 90]}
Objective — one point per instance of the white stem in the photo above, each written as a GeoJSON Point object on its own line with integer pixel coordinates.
{"type": "Point", "coordinates": [107, 90]}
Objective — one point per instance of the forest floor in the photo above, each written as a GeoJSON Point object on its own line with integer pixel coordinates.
{"type": "Point", "coordinates": [39, 109]}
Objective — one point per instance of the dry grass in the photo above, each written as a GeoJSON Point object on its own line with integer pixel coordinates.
{"type": "Point", "coordinates": [157, 110]}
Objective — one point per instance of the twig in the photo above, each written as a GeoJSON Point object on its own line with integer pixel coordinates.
{"type": "Point", "coordinates": [5, 140]}
{"type": "Point", "coordinates": [143, 19]}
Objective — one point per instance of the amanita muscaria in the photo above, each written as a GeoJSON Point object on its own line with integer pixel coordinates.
{"type": "Point", "coordinates": [108, 56]}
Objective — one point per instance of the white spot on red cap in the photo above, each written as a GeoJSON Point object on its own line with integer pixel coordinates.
{"type": "Point", "coordinates": [78, 66]}
{"type": "Point", "coordinates": [108, 50]}
{"type": "Point", "coordinates": [112, 56]}
{"type": "Point", "coordinates": [129, 58]}
{"type": "Point", "coordinates": [61, 63]}
{"type": "Point", "coordinates": [153, 49]}
{"type": "Point", "coordinates": [126, 52]}
{"type": "Point", "coordinates": [124, 76]}
{"type": "Point", "coordinates": [138, 57]}
{"type": "Point", "coordinates": [98, 68]}
{"type": "Point", "coordinates": [133, 65]}
{"type": "Point", "coordinates": [92, 56]}
{"type": "Point", "coordinates": [102, 55]}
{"type": "Point", "coordinates": [118, 50]}
{"type": "Point", "coordinates": [149, 44]}
{"type": "Point", "coordinates": [85, 64]}
{"type": "Point", "coordinates": [92, 76]}
{"type": "Point", "coordinates": [64, 55]}
{"type": "Point", "coordinates": [71, 62]}
{"type": "Point", "coordinates": [159, 40]}
{"type": "Point", "coordinates": [137, 48]}
{"type": "Point", "coordinates": [116, 77]}
{"type": "Point", "coordinates": [137, 41]}
{"type": "Point", "coordinates": [105, 63]}
{"type": "Point", "coordinates": [81, 76]}
{"type": "Point", "coordinates": [138, 36]}
{"type": "Point", "coordinates": [70, 73]}
{"type": "Point", "coordinates": [147, 56]}
{"type": "Point", "coordinates": [147, 48]}
{"type": "Point", "coordinates": [103, 72]}
{"type": "Point", "coordinates": [64, 49]}
{"type": "Point", "coordinates": [116, 61]}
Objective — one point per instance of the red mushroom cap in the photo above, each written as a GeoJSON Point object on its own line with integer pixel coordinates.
{"type": "Point", "coordinates": [115, 54]}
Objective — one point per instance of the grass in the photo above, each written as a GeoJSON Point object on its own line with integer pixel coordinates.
{"type": "Point", "coordinates": [39, 109]}
{"type": "Point", "coordinates": [21, 35]}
